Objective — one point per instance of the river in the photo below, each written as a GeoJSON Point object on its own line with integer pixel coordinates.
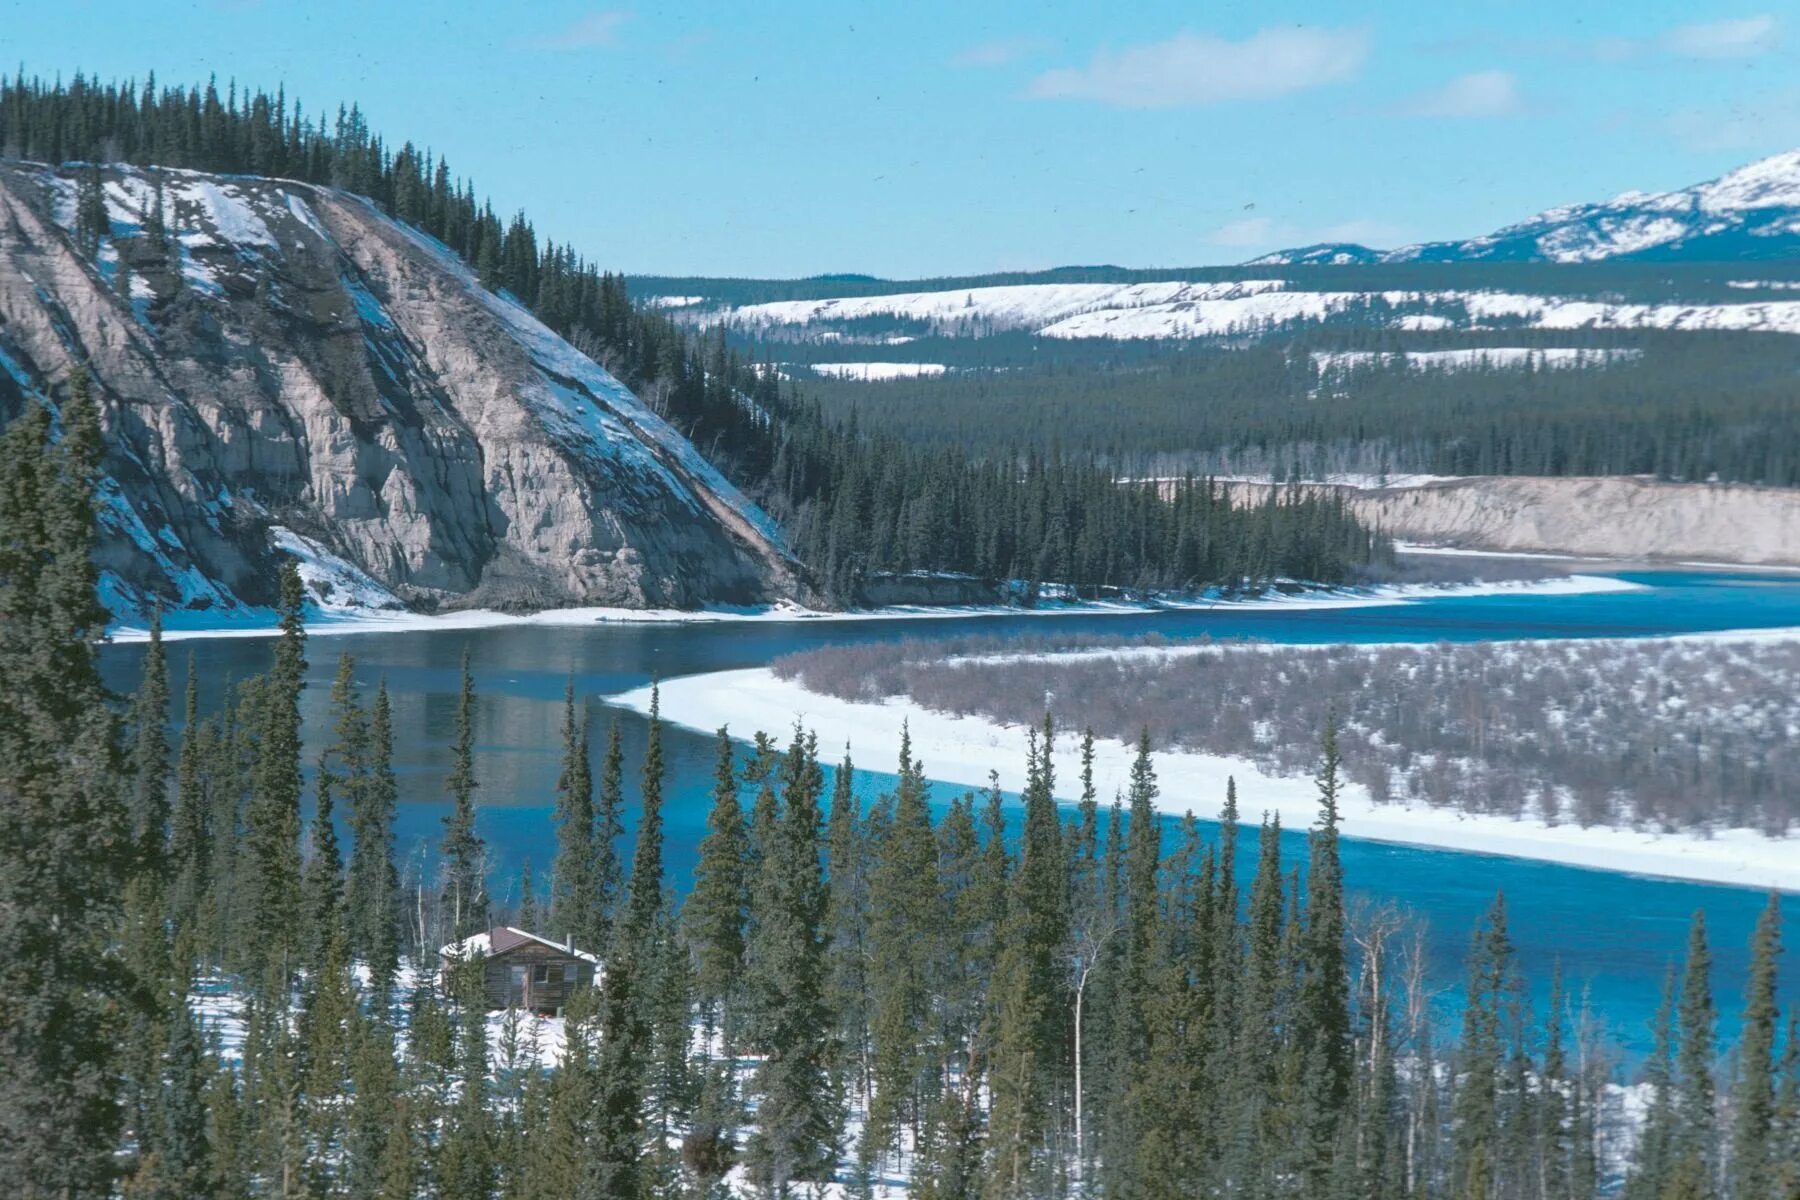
{"type": "Point", "coordinates": [1614, 933]}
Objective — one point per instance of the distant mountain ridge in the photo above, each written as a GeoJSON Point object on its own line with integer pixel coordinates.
{"type": "Point", "coordinates": [1747, 215]}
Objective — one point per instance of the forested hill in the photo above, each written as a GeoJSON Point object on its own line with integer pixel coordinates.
{"type": "Point", "coordinates": [854, 503]}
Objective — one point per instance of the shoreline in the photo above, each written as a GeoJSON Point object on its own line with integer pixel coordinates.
{"type": "Point", "coordinates": [261, 623]}
{"type": "Point", "coordinates": [962, 750]}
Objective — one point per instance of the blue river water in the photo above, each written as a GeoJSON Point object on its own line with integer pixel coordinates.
{"type": "Point", "coordinates": [1613, 933]}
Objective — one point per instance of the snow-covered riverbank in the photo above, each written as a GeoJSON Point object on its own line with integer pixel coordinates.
{"type": "Point", "coordinates": [962, 750]}
{"type": "Point", "coordinates": [261, 622]}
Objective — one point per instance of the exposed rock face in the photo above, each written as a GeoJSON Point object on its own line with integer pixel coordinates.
{"type": "Point", "coordinates": [291, 371]}
{"type": "Point", "coordinates": [1612, 517]}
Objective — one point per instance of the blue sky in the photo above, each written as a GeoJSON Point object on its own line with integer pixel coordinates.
{"type": "Point", "coordinates": [929, 138]}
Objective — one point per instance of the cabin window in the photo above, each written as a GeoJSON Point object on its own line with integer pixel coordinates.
{"type": "Point", "coordinates": [541, 974]}
{"type": "Point", "coordinates": [554, 973]}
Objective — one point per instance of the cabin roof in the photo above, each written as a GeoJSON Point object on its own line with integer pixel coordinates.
{"type": "Point", "coordinates": [503, 938]}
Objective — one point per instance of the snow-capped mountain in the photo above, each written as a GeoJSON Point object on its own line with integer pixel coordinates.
{"type": "Point", "coordinates": [285, 370]}
{"type": "Point", "coordinates": [1750, 214]}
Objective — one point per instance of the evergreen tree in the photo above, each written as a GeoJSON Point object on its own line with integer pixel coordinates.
{"type": "Point", "coordinates": [190, 831]}
{"type": "Point", "coordinates": [272, 818]}
{"type": "Point", "coordinates": [715, 910]}
{"type": "Point", "coordinates": [1692, 1170]}
{"type": "Point", "coordinates": [528, 907]}
{"type": "Point", "coordinates": [181, 1161]}
{"type": "Point", "coordinates": [1028, 1014]}
{"type": "Point", "coordinates": [464, 853]}
{"type": "Point", "coordinates": [904, 920]}
{"type": "Point", "coordinates": [64, 824]}
{"type": "Point", "coordinates": [322, 885]}
{"type": "Point", "coordinates": [609, 827]}
{"type": "Point", "coordinates": [1654, 1156]}
{"type": "Point", "coordinates": [1753, 1130]}
{"type": "Point", "coordinates": [796, 1117]}
{"type": "Point", "coordinates": [575, 894]}
{"type": "Point", "coordinates": [1323, 1007]}
{"type": "Point", "coordinates": [374, 887]}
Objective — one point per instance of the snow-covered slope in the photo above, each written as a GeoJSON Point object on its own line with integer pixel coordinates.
{"type": "Point", "coordinates": [1750, 213]}
{"type": "Point", "coordinates": [1176, 310]}
{"type": "Point", "coordinates": [290, 372]}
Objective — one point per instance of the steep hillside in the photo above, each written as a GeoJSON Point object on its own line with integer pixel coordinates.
{"type": "Point", "coordinates": [284, 368]}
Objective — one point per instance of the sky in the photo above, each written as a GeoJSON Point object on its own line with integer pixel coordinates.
{"type": "Point", "coordinates": [930, 138]}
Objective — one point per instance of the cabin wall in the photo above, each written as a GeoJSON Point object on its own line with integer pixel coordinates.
{"type": "Point", "coordinates": [550, 977]}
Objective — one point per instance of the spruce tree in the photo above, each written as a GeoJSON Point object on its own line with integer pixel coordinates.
{"type": "Point", "coordinates": [715, 910]}
{"type": "Point", "coordinates": [609, 827]}
{"type": "Point", "coordinates": [1753, 1105]}
{"type": "Point", "coordinates": [190, 832]}
{"type": "Point", "coordinates": [1323, 1009]}
{"type": "Point", "coordinates": [1029, 1008]}
{"type": "Point", "coordinates": [464, 852]}
{"type": "Point", "coordinates": [905, 918]}
{"type": "Point", "coordinates": [272, 817]}
{"type": "Point", "coordinates": [64, 823]}
{"type": "Point", "coordinates": [1692, 1171]}
{"type": "Point", "coordinates": [797, 1115]}
{"type": "Point", "coordinates": [575, 894]}
{"type": "Point", "coordinates": [374, 887]}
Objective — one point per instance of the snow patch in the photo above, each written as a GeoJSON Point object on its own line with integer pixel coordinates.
{"type": "Point", "coordinates": [869, 372]}
{"type": "Point", "coordinates": [333, 584]}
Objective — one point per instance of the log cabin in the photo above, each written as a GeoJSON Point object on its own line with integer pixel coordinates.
{"type": "Point", "coordinates": [523, 970]}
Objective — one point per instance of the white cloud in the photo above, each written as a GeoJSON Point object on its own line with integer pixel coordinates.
{"type": "Point", "coordinates": [1477, 94]}
{"type": "Point", "coordinates": [1739, 37]}
{"type": "Point", "coordinates": [587, 33]}
{"type": "Point", "coordinates": [1001, 52]}
{"type": "Point", "coordinates": [1196, 68]}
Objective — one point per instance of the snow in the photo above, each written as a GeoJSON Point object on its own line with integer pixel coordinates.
{"type": "Point", "coordinates": [481, 943]}
{"type": "Point", "coordinates": [304, 214]}
{"type": "Point", "coordinates": [963, 750]}
{"type": "Point", "coordinates": [1016, 306]}
{"type": "Point", "coordinates": [1173, 310]}
{"type": "Point", "coordinates": [333, 584]}
{"type": "Point", "coordinates": [1509, 357]}
{"type": "Point", "coordinates": [1772, 182]}
{"type": "Point", "coordinates": [674, 301]}
{"type": "Point", "coordinates": [260, 622]}
{"type": "Point", "coordinates": [874, 371]}
{"type": "Point", "coordinates": [229, 215]}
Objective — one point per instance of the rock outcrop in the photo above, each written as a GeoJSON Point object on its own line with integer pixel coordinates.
{"type": "Point", "coordinates": [282, 369]}
{"type": "Point", "coordinates": [1607, 517]}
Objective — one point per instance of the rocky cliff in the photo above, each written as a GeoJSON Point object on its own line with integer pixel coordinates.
{"type": "Point", "coordinates": [283, 369]}
{"type": "Point", "coordinates": [1610, 517]}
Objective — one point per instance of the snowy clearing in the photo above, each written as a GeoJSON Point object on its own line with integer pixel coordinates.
{"type": "Point", "coordinates": [878, 372]}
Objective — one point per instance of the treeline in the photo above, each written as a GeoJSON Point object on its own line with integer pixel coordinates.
{"type": "Point", "coordinates": [1608, 279]}
{"type": "Point", "coordinates": [855, 503]}
{"type": "Point", "coordinates": [848, 992]}
{"type": "Point", "coordinates": [1687, 406]}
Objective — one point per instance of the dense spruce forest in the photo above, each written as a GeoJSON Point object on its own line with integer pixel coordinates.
{"type": "Point", "coordinates": [1687, 405]}
{"type": "Point", "coordinates": [856, 503]}
{"type": "Point", "coordinates": [851, 990]}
